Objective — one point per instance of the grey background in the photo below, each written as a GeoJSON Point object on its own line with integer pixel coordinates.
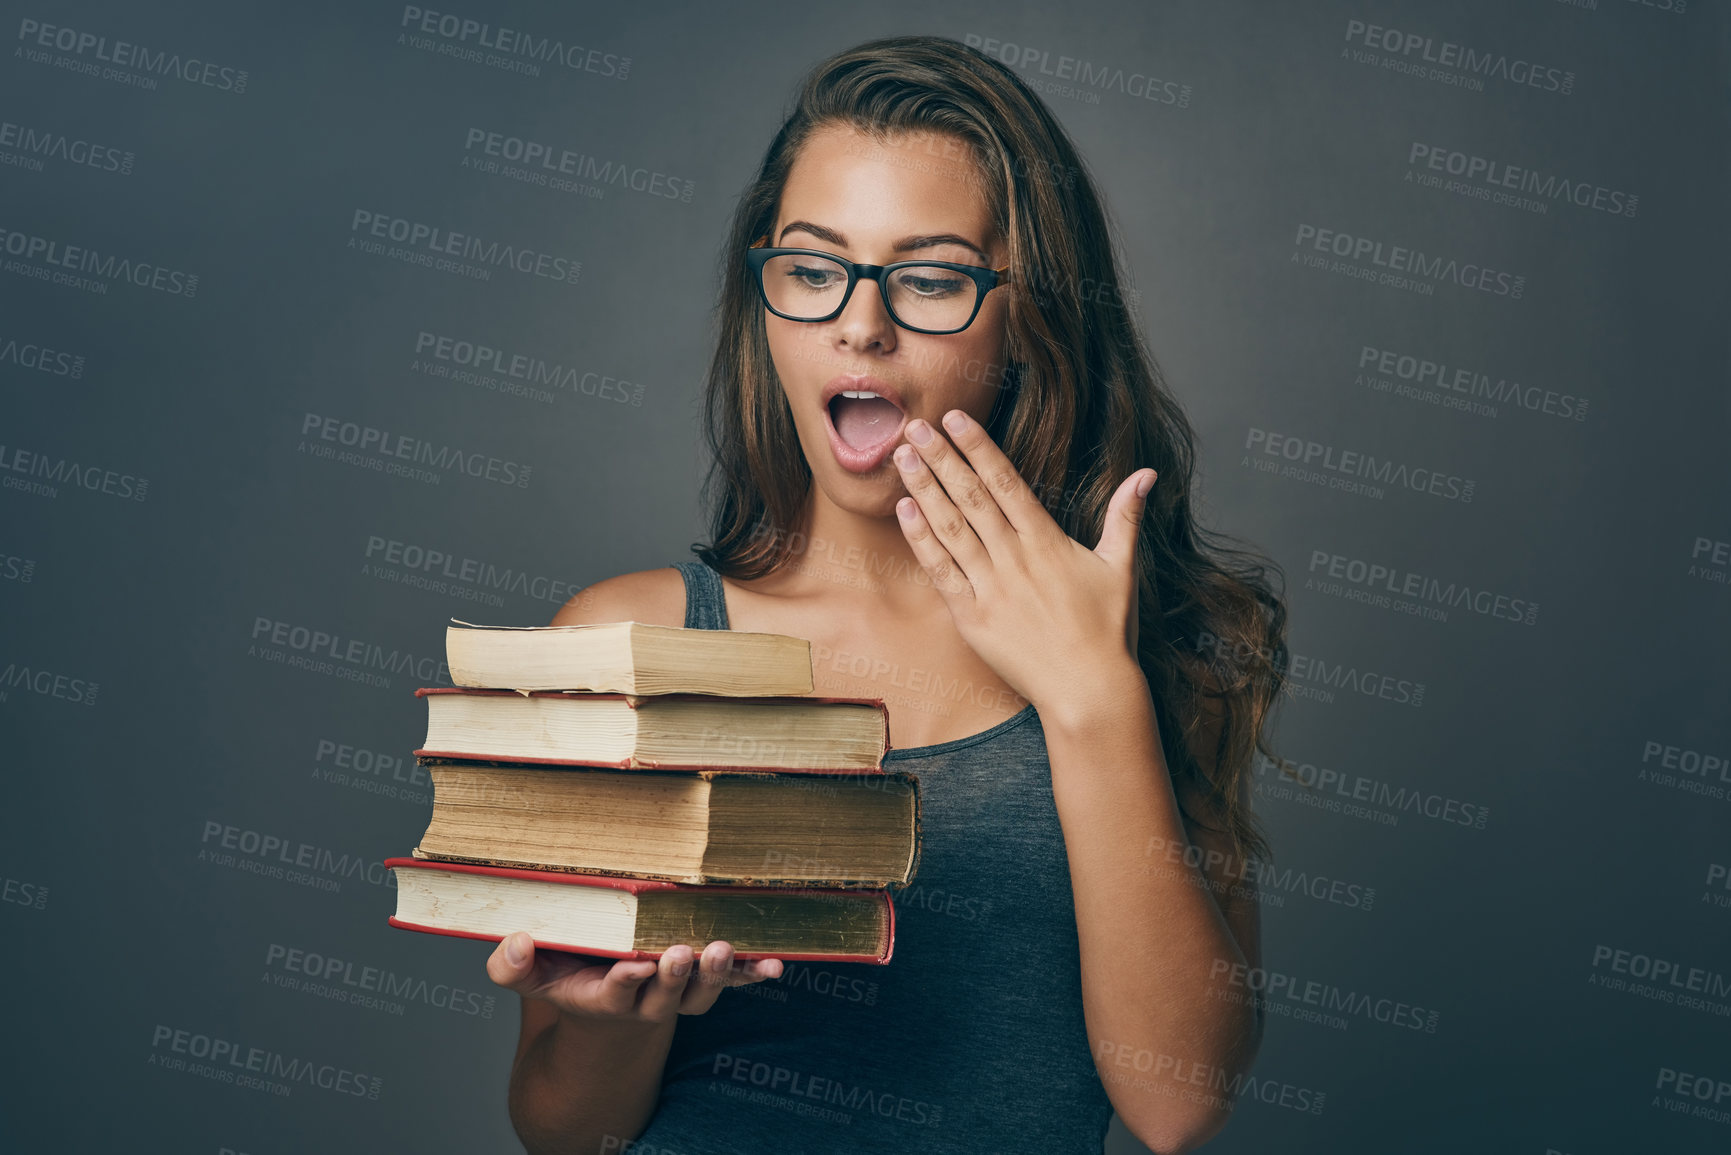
{"type": "Point", "coordinates": [113, 926]}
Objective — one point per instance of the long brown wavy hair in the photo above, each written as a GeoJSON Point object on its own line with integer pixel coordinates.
{"type": "Point", "coordinates": [1083, 403]}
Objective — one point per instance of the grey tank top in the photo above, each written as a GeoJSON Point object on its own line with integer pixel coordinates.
{"type": "Point", "coordinates": [970, 1039]}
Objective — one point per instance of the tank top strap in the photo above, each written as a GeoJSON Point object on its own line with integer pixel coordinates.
{"type": "Point", "coordinates": [705, 600]}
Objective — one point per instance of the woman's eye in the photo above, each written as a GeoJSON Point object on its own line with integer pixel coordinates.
{"type": "Point", "coordinates": [813, 278]}
{"type": "Point", "coordinates": [931, 286]}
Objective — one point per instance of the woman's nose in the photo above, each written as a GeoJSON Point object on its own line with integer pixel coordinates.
{"type": "Point", "coordinates": [865, 320]}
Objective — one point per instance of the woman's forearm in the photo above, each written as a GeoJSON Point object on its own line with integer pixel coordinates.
{"type": "Point", "coordinates": [1154, 943]}
{"type": "Point", "coordinates": [583, 1087]}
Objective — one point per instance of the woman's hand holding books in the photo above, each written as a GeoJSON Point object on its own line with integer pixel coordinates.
{"type": "Point", "coordinates": [623, 990]}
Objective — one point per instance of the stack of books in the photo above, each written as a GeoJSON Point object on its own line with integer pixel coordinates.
{"type": "Point", "coordinates": [618, 788]}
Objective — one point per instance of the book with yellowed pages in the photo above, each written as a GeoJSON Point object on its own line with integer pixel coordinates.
{"type": "Point", "coordinates": [639, 918]}
{"type": "Point", "coordinates": [616, 788]}
{"type": "Point", "coordinates": [627, 658]}
{"type": "Point", "coordinates": [699, 827]}
{"type": "Point", "coordinates": [663, 731]}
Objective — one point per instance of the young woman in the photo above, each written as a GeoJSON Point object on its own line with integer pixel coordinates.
{"type": "Point", "coordinates": [922, 266]}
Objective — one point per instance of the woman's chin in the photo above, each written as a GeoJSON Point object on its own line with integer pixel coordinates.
{"type": "Point", "coordinates": [865, 495]}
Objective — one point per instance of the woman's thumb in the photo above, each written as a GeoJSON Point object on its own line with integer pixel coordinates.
{"type": "Point", "coordinates": [1124, 516]}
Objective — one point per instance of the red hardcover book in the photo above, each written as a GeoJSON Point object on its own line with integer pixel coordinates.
{"type": "Point", "coordinates": [467, 914]}
{"type": "Point", "coordinates": [537, 733]}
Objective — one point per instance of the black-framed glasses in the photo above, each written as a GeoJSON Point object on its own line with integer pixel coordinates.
{"type": "Point", "coordinates": [924, 296]}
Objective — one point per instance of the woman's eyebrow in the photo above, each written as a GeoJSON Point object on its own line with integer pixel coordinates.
{"type": "Point", "coordinates": [905, 245]}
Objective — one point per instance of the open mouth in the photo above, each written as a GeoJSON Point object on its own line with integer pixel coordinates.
{"type": "Point", "coordinates": [864, 420]}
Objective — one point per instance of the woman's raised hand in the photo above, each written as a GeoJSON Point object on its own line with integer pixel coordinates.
{"type": "Point", "coordinates": [623, 990]}
{"type": "Point", "coordinates": [1054, 619]}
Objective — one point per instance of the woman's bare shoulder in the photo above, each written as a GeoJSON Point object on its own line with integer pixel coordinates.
{"type": "Point", "coordinates": [655, 597]}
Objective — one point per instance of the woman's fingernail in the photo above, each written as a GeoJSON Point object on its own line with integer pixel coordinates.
{"type": "Point", "coordinates": [1147, 483]}
{"type": "Point", "coordinates": [919, 432]}
{"type": "Point", "coordinates": [955, 421]}
{"type": "Point", "coordinates": [906, 458]}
